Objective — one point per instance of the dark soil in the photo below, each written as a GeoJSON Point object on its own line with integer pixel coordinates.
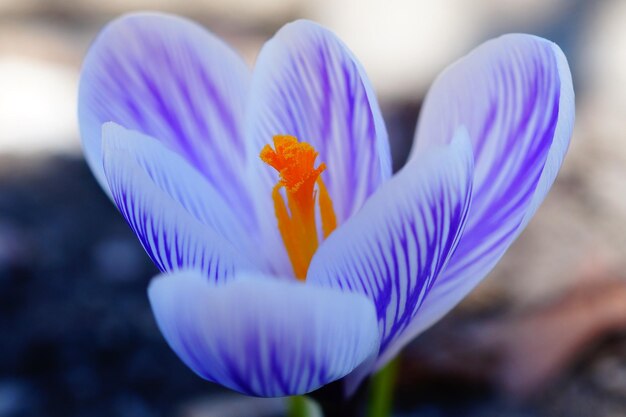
{"type": "Point", "coordinates": [77, 334]}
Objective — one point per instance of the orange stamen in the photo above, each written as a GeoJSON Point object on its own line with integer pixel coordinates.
{"type": "Point", "coordinates": [295, 163]}
{"type": "Point", "coordinates": [329, 220]}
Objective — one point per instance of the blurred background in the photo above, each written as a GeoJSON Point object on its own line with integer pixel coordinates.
{"type": "Point", "coordinates": [543, 335]}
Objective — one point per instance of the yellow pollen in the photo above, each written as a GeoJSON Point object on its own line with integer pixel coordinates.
{"type": "Point", "coordinates": [295, 163]}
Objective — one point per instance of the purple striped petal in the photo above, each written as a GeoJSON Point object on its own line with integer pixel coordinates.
{"type": "Point", "coordinates": [308, 84]}
{"type": "Point", "coordinates": [181, 182]}
{"type": "Point", "coordinates": [169, 78]}
{"type": "Point", "coordinates": [515, 96]}
{"type": "Point", "coordinates": [394, 249]}
{"type": "Point", "coordinates": [173, 237]}
{"type": "Point", "coordinates": [261, 336]}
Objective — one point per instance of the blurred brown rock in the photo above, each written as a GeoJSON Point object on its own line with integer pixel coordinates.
{"type": "Point", "coordinates": [524, 353]}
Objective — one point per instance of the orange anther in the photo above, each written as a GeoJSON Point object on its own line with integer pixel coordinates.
{"type": "Point", "coordinates": [295, 163]}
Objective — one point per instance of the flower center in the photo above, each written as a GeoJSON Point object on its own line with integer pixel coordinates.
{"type": "Point", "coordinates": [295, 163]}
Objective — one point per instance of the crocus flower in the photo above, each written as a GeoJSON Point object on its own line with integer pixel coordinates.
{"type": "Point", "coordinates": [291, 255]}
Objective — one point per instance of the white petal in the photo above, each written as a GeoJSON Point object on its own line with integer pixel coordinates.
{"type": "Point", "coordinates": [261, 336]}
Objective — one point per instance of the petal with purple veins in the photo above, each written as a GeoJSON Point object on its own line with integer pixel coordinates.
{"type": "Point", "coordinates": [307, 84]}
{"type": "Point", "coordinates": [515, 95]}
{"type": "Point", "coordinates": [169, 78]}
{"type": "Point", "coordinates": [173, 237]}
{"type": "Point", "coordinates": [263, 337]}
{"type": "Point", "coordinates": [185, 185]}
{"type": "Point", "coordinates": [394, 249]}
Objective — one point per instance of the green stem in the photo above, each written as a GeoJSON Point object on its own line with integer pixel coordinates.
{"type": "Point", "coordinates": [301, 406]}
{"type": "Point", "coordinates": [381, 391]}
